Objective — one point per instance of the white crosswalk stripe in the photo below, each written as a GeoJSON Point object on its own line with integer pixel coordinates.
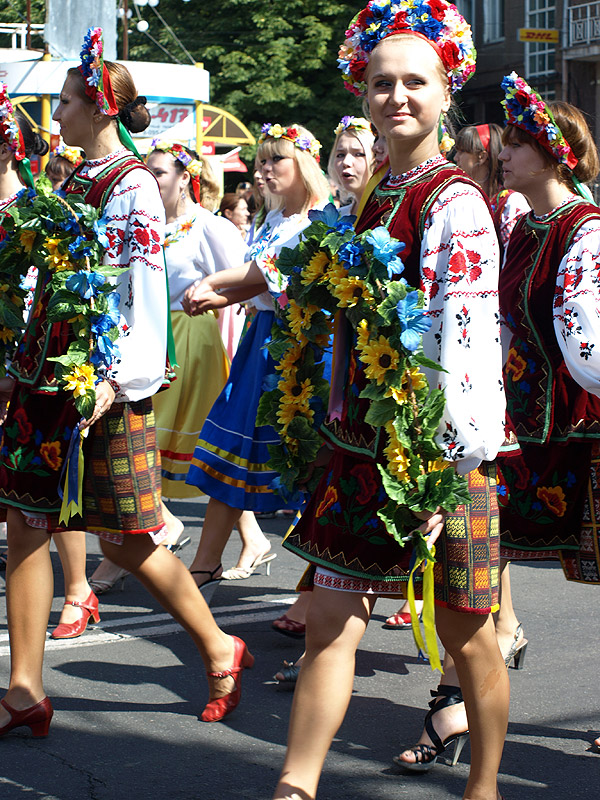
{"type": "Point", "coordinates": [139, 627]}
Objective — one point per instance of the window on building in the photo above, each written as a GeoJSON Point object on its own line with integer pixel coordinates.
{"type": "Point", "coordinates": [493, 20]}
{"type": "Point", "coordinates": [466, 9]}
{"type": "Point", "coordinates": [540, 56]}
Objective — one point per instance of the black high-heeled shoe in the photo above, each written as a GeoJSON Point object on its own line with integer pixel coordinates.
{"type": "Point", "coordinates": [517, 650]}
{"type": "Point", "coordinates": [427, 754]}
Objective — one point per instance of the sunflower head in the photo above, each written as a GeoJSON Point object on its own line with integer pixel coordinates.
{"type": "Point", "coordinates": [349, 290]}
{"type": "Point", "coordinates": [398, 461]}
{"type": "Point", "coordinates": [380, 359]}
{"type": "Point", "coordinates": [316, 270]}
{"type": "Point", "coordinates": [80, 379]}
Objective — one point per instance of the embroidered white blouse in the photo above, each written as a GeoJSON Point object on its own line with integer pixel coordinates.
{"type": "Point", "coordinates": [576, 311]}
{"type": "Point", "coordinates": [459, 277]}
{"type": "Point", "coordinates": [135, 220]}
{"type": "Point", "coordinates": [198, 244]}
{"type": "Point", "coordinates": [277, 231]}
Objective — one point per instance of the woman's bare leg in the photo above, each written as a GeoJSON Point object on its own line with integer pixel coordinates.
{"type": "Point", "coordinates": [254, 542]}
{"type": "Point", "coordinates": [219, 521]}
{"type": "Point", "coordinates": [336, 623]}
{"type": "Point", "coordinates": [174, 524]}
{"type": "Point", "coordinates": [29, 589]}
{"type": "Point", "coordinates": [471, 641]}
{"type": "Point", "coordinates": [168, 580]}
{"type": "Point", "coordinates": [72, 553]}
{"type": "Point", "coordinates": [506, 618]}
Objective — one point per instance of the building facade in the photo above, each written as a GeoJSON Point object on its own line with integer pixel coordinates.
{"type": "Point", "coordinates": [563, 65]}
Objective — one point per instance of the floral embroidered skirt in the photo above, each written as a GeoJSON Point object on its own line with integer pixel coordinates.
{"type": "Point", "coordinates": [231, 455]}
{"type": "Point", "coordinates": [181, 410]}
{"type": "Point", "coordinates": [340, 530]}
{"type": "Point", "coordinates": [550, 506]}
{"type": "Point", "coordinates": [121, 488]}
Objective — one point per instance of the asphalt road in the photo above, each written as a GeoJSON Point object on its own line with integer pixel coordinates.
{"type": "Point", "coordinates": [128, 693]}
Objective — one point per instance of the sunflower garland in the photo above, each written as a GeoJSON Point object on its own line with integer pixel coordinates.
{"type": "Point", "coordinates": [334, 269]}
{"type": "Point", "coordinates": [65, 240]}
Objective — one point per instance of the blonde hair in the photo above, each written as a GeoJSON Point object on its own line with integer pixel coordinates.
{"type": "Point", "coordinates": [367, 140]}
{"type": "Point", "coordinates": [311, 174]}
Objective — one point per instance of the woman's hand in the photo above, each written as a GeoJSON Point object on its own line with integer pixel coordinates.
{"type": "Point", "coordinates": [321, 460]}
{"type": "Point", "coordinates": [201, 297]}
{"type": "Point", "coordinates": [105, 396]}
{"type": "Point", "coordinates": [6, 387]}
{"type": "Point", "coordinates": [433, 524]}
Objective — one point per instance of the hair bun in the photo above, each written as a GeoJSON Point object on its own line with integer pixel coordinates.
{"type": "Point", "coordinates": [40, 147]}
{"type": "Point", "coordinates": [135, 116]}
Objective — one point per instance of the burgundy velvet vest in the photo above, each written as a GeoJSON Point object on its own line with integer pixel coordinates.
{"type": "Point", "coordinates": [403, 211]}
{"type": "Point", "coordinates": [41, 339]}
{"type": "Point", "coordinates": [544, 403]}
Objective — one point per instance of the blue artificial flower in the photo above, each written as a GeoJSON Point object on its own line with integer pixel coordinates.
{"type": "Point", "coordinates": [290, 498]}
{"type": "Point", "coordinates": [395, 267]}
{"type": "Point", "coordinates": [85, 284]}
{"type": "Point", "coordinates": [351, 253]}
{"type": "Point", "coordinates": [113, 307]}
{"type": "Point", "coordinates": [345, 223]}
{"type": "Point", "coordinates": [536, 506]}
{"type": "Point", "coordinates": [329, 215]}
{"type": "Point", "coordinates": [413, 320]}
{"type": "Point", "coordinates": [100, 230]}
{"type": "Point", "coordinates": [80, 248]}
{"type": "Point", "coordinates": [384, 247]}
{"type": "Point", "coordinates": [270, 382]}
{"type": "Point", "coordinates": [105, 353]}
{"type": "Point", "coordinates": [70, 225]}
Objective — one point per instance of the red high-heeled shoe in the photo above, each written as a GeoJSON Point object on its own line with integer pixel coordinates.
{"type": "Point", "coordinates": [221, 706]}
{"type": "Point", "coordinates": [89, 611]}
{"type": "Point", "coordinates": [36, 718]}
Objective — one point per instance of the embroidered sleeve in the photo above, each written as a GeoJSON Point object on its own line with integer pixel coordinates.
{"type": "Point", "coordinates": [577, 307]}
{"type": "Point", "coordinates": [459, 274]}
{"type": "Point", "coordinates": [516, 205]}
{"type": "Point", "coordinates": [276, 232]}
{"type": "Point", "coordinates": [135, 231]}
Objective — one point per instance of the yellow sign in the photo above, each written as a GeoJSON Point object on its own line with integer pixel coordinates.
{"type": "Point", "coordinates": [538, 35]}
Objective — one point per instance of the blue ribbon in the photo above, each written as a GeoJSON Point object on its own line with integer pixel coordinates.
{"type": "Point", "coordinates": [71, 478]}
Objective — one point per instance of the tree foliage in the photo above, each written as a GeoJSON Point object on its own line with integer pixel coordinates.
{"type": "Point", "coordinates": [269, 60]}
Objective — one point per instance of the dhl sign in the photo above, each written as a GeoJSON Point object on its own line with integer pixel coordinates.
{"type": "Point", "coordinates": [538, 35]}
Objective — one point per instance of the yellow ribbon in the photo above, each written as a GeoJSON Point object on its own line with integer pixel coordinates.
{"type": "Point", "coordinates": [429, 646]}
{"type": "Point", "coordinates": [72, 506]}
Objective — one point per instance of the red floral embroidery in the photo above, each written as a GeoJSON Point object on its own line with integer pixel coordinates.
{"type": "Point", "coordinates": [25, 427]}
{"type": "Point", "coordinates": [366, 481]}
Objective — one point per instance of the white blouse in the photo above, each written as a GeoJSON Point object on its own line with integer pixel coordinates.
{"type": "Point", "coordinates": [198, 244]}
{"type": "Point", "coordinates": [277, 231]}
{"type": "Point", "coordinates": [577, 307]}
{"type": "Point", "coordinates": [459, 277]}
{"type": "Point", "coordinates": [135, 220]}
{"type": "Point", "coordinates": [516, 205]}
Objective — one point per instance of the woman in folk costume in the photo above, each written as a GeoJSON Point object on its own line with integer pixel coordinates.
{"type": "Point", "coordinates": [549, 300]}
{"type": "Point", "coordinates": [351, 160]}
{"type": "Point", "coordinates": [407, 59]}
{"type": "Point", "coordinates": [19, 143]}
{"type": "Point", "coordinates": [121, 482]}
{"type": "Point", "coordinates": [229, 462]}
{"type": "Point", "coordinates": [477, 149]}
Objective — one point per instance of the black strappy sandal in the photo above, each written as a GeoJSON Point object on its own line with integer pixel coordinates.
{"type": "Point", "coordinates": [427, 754]}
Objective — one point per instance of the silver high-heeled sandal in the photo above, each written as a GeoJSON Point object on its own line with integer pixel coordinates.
{"type": "Point", "coordinates": [517, 650]}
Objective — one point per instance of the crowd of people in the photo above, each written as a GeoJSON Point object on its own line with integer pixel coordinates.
{"type": "Point", "coordinates": [500, 237]}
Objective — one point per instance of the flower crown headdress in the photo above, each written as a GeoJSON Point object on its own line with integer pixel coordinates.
{"type": "Point", "coordinates": [98, 86]}
{"type": "Point", "coordinates": [191, 164]}
{"type": "Point", "coordinates": [524, 108]}
{"type": "Point", "coordinates": [292, 134]}
{"type": "Point", "coordinates": [97, 79]}
{"type": "Point", "coordinates": [11, 133]}
{"type": "Point", "coordinates": [353, 123]}
{"type": "Point", "coordinates": [436, 21]}
{"type": "Point", "coordinates": [72, 154]}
